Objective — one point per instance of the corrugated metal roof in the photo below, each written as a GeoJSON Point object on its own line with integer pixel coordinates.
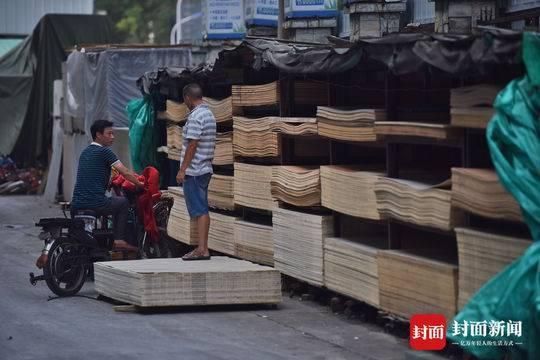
{"type": "Point", "coordinates": [8, 44]}
{"type": "Point", "coordinates": [21, 16]}
{"type": "Point", "coordinates": [423, 11]}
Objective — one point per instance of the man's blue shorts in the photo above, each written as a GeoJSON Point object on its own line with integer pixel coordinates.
{"type": "Point", "coordinates": [196, 194]}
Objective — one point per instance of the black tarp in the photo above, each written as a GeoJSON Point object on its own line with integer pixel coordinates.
{"type": "Point", "coordinates": [26, 81]}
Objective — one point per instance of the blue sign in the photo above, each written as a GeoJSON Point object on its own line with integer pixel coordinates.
{"type": "Point", "coordinates": [225, 19]}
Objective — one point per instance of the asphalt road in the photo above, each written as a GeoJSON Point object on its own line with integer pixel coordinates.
{"type": "Point", "coordinates": [34, 327]}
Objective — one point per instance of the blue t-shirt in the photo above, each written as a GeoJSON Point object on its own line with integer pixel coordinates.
{"type": "Point", "coordinates": [93, 177]}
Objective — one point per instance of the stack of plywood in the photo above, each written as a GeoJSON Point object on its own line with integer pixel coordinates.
{"type": "Point", "coordinates": [349, 190]}
{"type": "Point", "coordinates": [255, 95]}
{"type": "Point", "coordinates": [180, 227]}
{"type": "Point", "coordinates": [254, 137]}
{"type": "Point", "coordinates": [417, 203]}
{"type": "Point", "coordinates": [254, 242]}
{"type": "Point", "coordinates": [479, 191]}
{"type": "Point", "coordinates": [175, 111]}
{"type": "Point", "coordinates": [295, 126]}
{"type": "Point", "coordinates": [222, 109]}
{"type": "Point", "coordinates": [481, 256]}
{"type": "Point", "coordinates": [174, 141]}
{"type": "Point", "coordinates": [416, 129]}
{"type": "Point", "coordinates": [221, 234]}
{"type": "Point", "coordinates": [173, 282]}
{"type": "Point", "coordinates": [297, 185]}
{"type": "Point", "coordinates": [416, 282]}
{"type": "Point", "coordinates": [350, 268]}
{"type": "Point", "coordinates": [471, 106]}
{"type": "Point", "coordinates": [299, 243]}
{"type": "Point", "coordinates": [348, 124]}
{"type": "Point", "coordinates": [221, 192]}
{"type": "Point", "coordinates": [224, 150]}
{"type": "Point", "coordinates": [252, 186]}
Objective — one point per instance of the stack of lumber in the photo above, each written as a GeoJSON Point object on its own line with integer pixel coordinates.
{"type": "Point", "coordinates": [296, 185]}
{"type": "Point", "coordinates": [174, 141]}
{"type": "Point", "coordinates": [222, 109]}
{"type": "Point", "coordinates": [310, 93]}
{"type": "Point", "coordinates": [481, 256]}
{"type": "Point", "coordinates": [348, 190]}
{"type": "Point", "coordinates": [255, 95]}
{"type": "Point", "coordinates": [479, 191]}
{"type": "Point", "coordinates": [180, 227]}
{"type": "Point", "coordinates": [471, 106]}
{"type": "Point", "coordinates": [172, 282]}
{"type": "Point", "coordinates": [221, 234]}
{"type": "Point", "coordinates": [223, 154]}
{"type": "Point", "coordinates": [299, 243]}
{"type": "Point", "coordinates": [221, 192]}
{"type": "Point", "coordinates": [348, 124]}
{"type": "Point", "coordinates": [416, 129]}
{"type": "Point", "coordinates": [350, 268]}
{"type": "Point", "coordinates": [254, 137]}
{"type": "Point", "coordinates": [175, 111]}
{"type": "Point", "coordinates": [254, 242]}
{"type": "Point", "coordinates": [417, 203]}
{"type": "Point", "coordinates": [252, 186]}
{"type": "Point", "coordinates": [295, 126]}
{"type": "Point", "coordinates": [417, 282]}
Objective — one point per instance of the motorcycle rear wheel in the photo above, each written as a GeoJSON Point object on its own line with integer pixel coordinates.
{"type": "Point", "coordinates": [66, 268]}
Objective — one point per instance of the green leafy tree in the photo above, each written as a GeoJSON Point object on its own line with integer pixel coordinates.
{"type": "Point", "coordinates": [140, 21]}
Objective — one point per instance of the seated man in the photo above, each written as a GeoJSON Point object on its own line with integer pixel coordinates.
{"type": "Point", "coordinates": [93, 177]}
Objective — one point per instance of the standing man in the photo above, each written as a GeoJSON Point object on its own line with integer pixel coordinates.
{"type": "Point", "coordinates": [199, 142]}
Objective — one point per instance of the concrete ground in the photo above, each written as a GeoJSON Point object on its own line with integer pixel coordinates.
{"type": "Point", "coordinates": [31, 327]}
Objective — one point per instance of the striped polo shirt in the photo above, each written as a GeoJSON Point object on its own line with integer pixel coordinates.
{"type": "Point", "coordinates": [200, 125]}
{"type": "Point", "coordinates": [93, 177]}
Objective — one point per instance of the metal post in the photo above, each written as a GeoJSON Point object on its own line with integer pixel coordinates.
{"type": "Point", "coordinates": [281, 19]}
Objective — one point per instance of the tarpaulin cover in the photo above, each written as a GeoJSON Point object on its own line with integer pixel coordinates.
{"type": "Point", "coordinates": [27, 73]}
{"type": "Point", "coordinates": [101, 83]}
{"type": "Point", "coordinates": [143, 137]}
{"type": "Point", "coordinates": [514, 142]}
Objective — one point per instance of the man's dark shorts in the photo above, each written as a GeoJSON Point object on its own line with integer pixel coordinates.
{"type": "Point", "coordinates": [196, 194]}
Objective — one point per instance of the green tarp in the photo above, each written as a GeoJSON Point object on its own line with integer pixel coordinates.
{"type": "Point", "coordinates": [514, 294]}
{"type": "Point", "coordinates": [27, 73]}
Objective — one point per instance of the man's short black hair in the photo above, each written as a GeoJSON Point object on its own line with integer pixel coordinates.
{"type": "Point", "coordinates": [99, 126]}
{"type": "Point", "coordinates": [193, 90]}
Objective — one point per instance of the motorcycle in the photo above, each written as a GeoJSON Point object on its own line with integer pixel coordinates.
{"type": "Point", "coordinates": [72, 245]}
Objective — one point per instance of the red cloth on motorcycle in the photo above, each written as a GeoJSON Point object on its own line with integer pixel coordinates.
{"type": "Point", "coordinates": [145, 199]}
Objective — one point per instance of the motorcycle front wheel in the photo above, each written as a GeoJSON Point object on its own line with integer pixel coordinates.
{"type": "Point", "coordinates": [66, 269]}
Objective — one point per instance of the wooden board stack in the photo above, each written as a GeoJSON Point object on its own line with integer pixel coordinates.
{"type": "Point", "coordinates": [254, 137]}
{"type": "Point", "coordinates": [221, 192]}
{"type": "Point", "coordinates": [223, 154]}
{"type": "Point", "coordinates": [348, 124]}
{"type": "Point", "coordinates": [412, 282]}
{"type": "Point", "coordinates": [479, 191]}
{"type": "Point", "coordinates": [172, 282]}
{"type": "Point", "coordinates": [296, 185]}
{"type": "Point", "coordinates": [174, 141]}
{"type": "Point", "coordinates": [348, 190]}
{"type": "Point", "coordinates": [254, 242]}
{"type": "Point", "coordinates": [255, 95]}
{"type": "Point", "coordinates": [471, 106]}
{"type": "Point", "coordinates": [350, 268]}
{"type": "Point", "coordinates": [416, 129]}
{"type": "Point", "coordinates": [299, 243]}
{"type": "Point", "coordinates": [252, 186]}
{"type": "Point", "coordinates": [180, 227]}
{"type": "Point", "coordinates": [481, 256]}
{"type": "Point", "coordinates": [221, 234]}
{"type": "Point", "coordinates": [295, 126]}
{"type": "Point", "coordinates": [175, 112]}
{"type": "Point", "coordinates": [418, 203]}
{"type": "Point", "coordinates": [222, 109]}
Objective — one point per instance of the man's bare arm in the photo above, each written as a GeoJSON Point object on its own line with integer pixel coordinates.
{"type": "Point", "coordinates": [128, 174]}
